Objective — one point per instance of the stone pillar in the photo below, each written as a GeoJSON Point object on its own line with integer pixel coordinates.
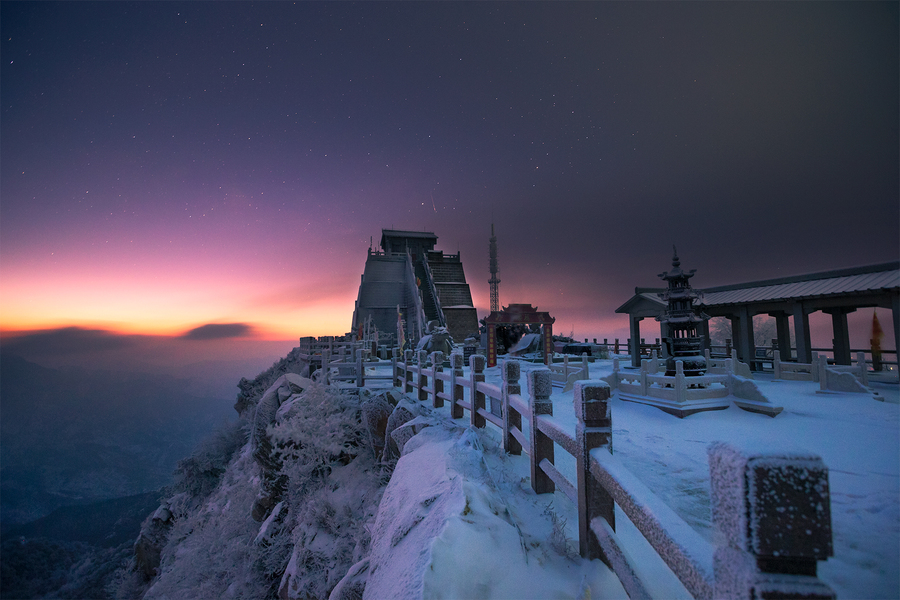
{"type": "Point", "coordinates": [746, 348]}
{"type": "Point", "coordinates": [457, 390]}
{"type": "Point", "coordinates": [783, 329]}
{"type": "Point", "coordinates": [772, 513]}
{"type": "Point", "coordinates": [476, 363]}
{"type": "Point", "coordinates": [593, 429]}
{"type": "Point", "coordinates": [423, 377]}
{"type": "Point", "coordinates": [511, 417]}
{"type": "Point", "coordinates": [539, 389]}
{"type": "Point", "coordinates": [635, 341]}
{"type": "Point", "coordinates": [548, 343]}
{"type": "Point", "coordinates": [703, 331]}
{"type": "Point", "coordinates": [360, 368]}
{"type": "Point", "coordinates": [492, 345]}
{"type": "Point", "coordinates": [841, 332]}
{"type": "Point", "coordinates": [801, 333]}
{"type": "Point", "coordinates": [437, 366]}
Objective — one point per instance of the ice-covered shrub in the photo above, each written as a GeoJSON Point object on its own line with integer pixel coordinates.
{"type": "Point", "coordinates": [199, 474]}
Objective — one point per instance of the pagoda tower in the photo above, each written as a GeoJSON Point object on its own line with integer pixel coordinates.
{"type": "Point", "coordinates": [682, 341]}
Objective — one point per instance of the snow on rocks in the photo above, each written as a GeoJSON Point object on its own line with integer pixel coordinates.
{"type": "Point", "coordinates": [444, 530]}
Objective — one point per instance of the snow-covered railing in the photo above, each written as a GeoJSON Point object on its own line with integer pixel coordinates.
{"type": "Point", "coordinates": [771, 511]}
{"type": "Point", "coordinates": [566, 375]}
{"type": "Point", "coordinates": [795, 371]}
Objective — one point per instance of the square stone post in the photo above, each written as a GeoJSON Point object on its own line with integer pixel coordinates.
{"type": "Point", "coordinates": [863, 368]}
{"type": "Point", "coordinates": [407, 360]}
{"type": "Point", "coordinates": [476, 363]}
{"type": "Point", "coordinates": [801, 333]}
{"type": "Point", "coordinates": [776, 364]}
{"type": "Point", "coordinates": [437, 366]}
{"type": "Point", "coordinates": [635, 341]}
{"type": "Point", "coordinates": [841, 332]}
{"type": "Point", "coordinates": [395, 355]}
{"type": "Point", "coordinates": [457, 390]}
{"type": "Point", "coordinates": [783, 333]}
{"type": "Point", "coordinates": [511, 418]}
{"type": "Point", "coordinates": [592, 430]}
{"type": "Point", "coordinates": [772, 513]}
{"type": "Point", "coordinates": [360, 368]}
{"type": "Point", "coordinates": [680, 383]}
{"type": "Point", "coordinates": [585, 366]}
{"type": "Point", "coordinates": [539, 389]}
{"type": "Point", "coordinates": [423, 377]}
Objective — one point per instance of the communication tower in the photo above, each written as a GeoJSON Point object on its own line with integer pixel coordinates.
{"type": "Point", "coordinates": [495, 270]}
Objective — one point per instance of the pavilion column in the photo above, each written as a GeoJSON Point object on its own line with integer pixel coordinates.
{"type": "Point", "coordinates": [635, 340]}
{"type": "Point", "coordinates": [744, 344]}
{"type": "Point", "coordinates": [663, 334]}
{"type": "Point", "coordinates": [895, 309]}
{"type": "Point", "coordinates": [703, 331]}
{"type": "Point", "coordinates": [841, 340]}
{"type": "Point", "coordinates": [783, 329]}
{"type": "Point", "coordinates": [801, 333]}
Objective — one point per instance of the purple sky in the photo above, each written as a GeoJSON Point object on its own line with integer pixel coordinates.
{"type": "Point", "coordinates": [169, 166]}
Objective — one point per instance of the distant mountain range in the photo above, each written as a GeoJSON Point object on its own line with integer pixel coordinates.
{"type": "Point", "coordinates": [72, 436]}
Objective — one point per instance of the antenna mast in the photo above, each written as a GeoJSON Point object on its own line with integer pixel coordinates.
{"type": "Point", "coordinates": [495, 270]}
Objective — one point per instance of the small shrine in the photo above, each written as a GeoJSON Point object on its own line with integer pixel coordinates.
{"type": "Point", "coordinates": [682, 341]}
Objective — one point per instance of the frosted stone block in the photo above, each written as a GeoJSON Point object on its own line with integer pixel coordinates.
{"type": "Point", "coordinates": [592, 400]}
{"type": "Point", "coordinates": [773, 505]}
{"type": "Point", "coordinates": [511, 371]}
{"type": "Point", "coordinates": [539, 383]}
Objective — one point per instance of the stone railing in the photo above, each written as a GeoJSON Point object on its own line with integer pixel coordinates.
{"type": "Point", "coordinates": [565, 375]}
{"type": "Point", "coordinates": [755, 556]}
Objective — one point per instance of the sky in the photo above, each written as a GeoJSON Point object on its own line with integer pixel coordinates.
{"type": "Point", "coordinates": [215, 172]}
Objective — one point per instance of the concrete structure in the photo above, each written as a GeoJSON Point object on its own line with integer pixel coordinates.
{"type": "Point", "coordinates": [423, 284]}
{"type": "Point", "coordinates": [837, 293]}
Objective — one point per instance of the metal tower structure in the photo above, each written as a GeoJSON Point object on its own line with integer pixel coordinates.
{"type": "Point", "coordinates": [495, 270]}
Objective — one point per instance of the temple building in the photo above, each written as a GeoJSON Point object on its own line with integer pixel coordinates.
{"type": "Point", "coordinates": [427, 287]}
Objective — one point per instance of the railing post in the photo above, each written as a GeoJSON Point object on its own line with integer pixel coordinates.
{"type": "Point", "coordinates": [592, 430]}
{"type": "Point", "coordinates": [680, 383]}
{"type": "Point", "coordinates": [814, 369]}
{"type": "Point", "coordinates": [565, 367]}
{"type": "Point", "coordinates": [863, 368]}
{"type": "Point", "coordinates": [407, 360]}
{"type": "Point", "coordinates": [511, 417]}
{"type": "Point", "coordinates": [423, 377]}
{"type": "Point", "coordinates": [776, 363]}
{"type": "Point", "coordinates": [476, 363]}
{"type": "Point", "coordinates": [772, 513]}
{"type": "Point", "coordinates": [360, 373]}
{"type": "Point", "coordinates": [326, 364]}
{"type": "Point", "coordinates": [617, 346]}
{"type": "Point", "coordinates": [644, 384]}
{"type": "Point", "coordinates": [457, 390]}
{"type": "Point", "coordinates": [437, 366]}
{"type": "Point", "coordinates": [395, 355]}
{"type": "Point", "coordinates": [585, 365]}
{"type": "Point", "coordinates": [539, 388]}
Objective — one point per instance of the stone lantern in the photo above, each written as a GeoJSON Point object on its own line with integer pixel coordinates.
{"type": "Point", "coordinates": [682, 341]}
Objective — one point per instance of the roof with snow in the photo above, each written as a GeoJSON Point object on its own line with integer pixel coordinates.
{"type": "Point", "coordinates": [868, 285]}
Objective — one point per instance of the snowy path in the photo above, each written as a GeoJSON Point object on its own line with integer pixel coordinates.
{"type": "Point", "coordinates": [856, 436]}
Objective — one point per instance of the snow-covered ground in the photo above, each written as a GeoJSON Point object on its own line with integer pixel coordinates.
{"type": "Point", "coordinates": [857, 437]}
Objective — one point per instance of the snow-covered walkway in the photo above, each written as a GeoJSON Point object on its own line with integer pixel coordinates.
{"type": "Point", "coordinates": [857, 437]}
